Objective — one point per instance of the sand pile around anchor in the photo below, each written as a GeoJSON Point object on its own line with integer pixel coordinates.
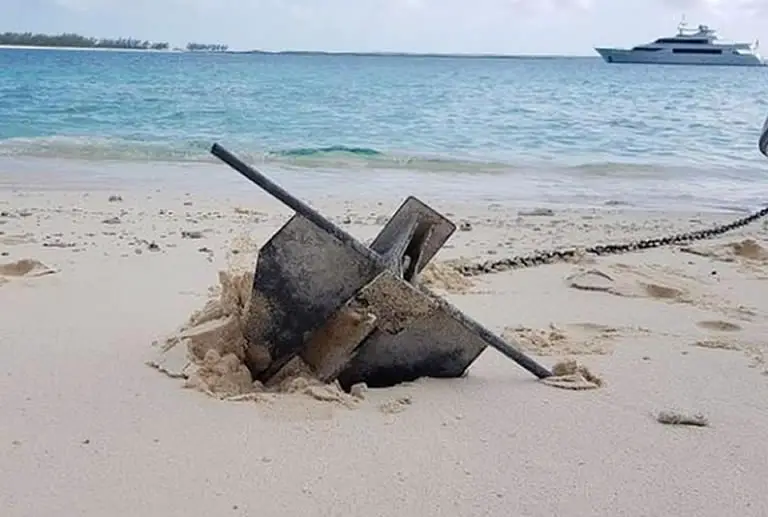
{"type": "Point", "coordinates": [444, 276]}
{"type": "Point", "coordinates": [571, 375]}
{"type": "Point", "coordinates": [208, 352]}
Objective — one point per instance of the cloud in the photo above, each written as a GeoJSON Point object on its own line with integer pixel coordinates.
{"type": "Point", "coordinates": [564, 5]}
{"type": "Point", "coordinates": [719, 6]}
{"type": "Point", "coordinates": [435, 7]}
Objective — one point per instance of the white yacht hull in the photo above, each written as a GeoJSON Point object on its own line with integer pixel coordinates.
{"type": "Point", "coordinates": [667, 57]}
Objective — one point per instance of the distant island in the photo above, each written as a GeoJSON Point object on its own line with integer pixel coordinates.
{"type": "Point", "coordinates": [28, 39]}
{"type": "Point", "coordinates": [71, 40]}
{"type": "Point", "coordinates": [205, 47]}
{"type": "Point", "coordinates": [77, 41]}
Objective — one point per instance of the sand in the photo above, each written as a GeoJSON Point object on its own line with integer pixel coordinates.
{"type": "Point", "coordinates": [209, 352]}
{"type": "Point", "coordinates": [644, 344]}
{"type": "Point", "coordinates": [25, 268]}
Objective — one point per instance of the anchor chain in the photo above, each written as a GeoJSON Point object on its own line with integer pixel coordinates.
{"type": "Point", "coordinates": [563, 255]}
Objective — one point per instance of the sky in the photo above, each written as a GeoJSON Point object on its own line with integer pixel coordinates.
{"type": "Point", "coordinates": [561, 27]}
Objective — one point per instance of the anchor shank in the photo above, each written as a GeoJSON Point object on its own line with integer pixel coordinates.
{"type": "Point", "coordinates": [296, 204]}
{"type": "Point", "coordinates": [505, 348]}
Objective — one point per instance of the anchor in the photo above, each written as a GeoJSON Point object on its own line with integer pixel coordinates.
{"type": "Point", "coordinates": [354, 313]}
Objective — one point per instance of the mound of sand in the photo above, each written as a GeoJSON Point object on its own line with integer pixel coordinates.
{"type": "Point", "coordinates": [571, 375]}
{"type": "Point", "coordinates": [25, 268]}
{"type": "Point", "coordinates": [746, 250]}
{"type": "Point", "coordinates": [717, 344]}
{"type": "Point", "coordinates": [209, 353]}
{"type": "Point", "coordinates": [446, 277]}
{"type": "Point", "coordinates": [750, 250]}
{"type": "Point", "coordinates": [570, 339]}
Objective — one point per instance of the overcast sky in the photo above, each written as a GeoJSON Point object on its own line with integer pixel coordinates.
{"type": "Point", "coordinates": [474, 26]}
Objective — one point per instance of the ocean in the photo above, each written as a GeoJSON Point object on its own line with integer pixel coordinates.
{"type": "Point", "coordinates": [529, 131]}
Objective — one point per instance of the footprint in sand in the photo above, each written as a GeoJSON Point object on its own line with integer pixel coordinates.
{"type": "Point", "coordinates": [12, 240]}
{"type": "Point", "coordinates": [662, 292]}
{"type": "Point", "coordinates": [25, 268]}
{"type": "Point", "coordinates": [591, 280]}
{"type": "Point", "coordinates": [623, 285]}
{"type": "Point", "coordinates": [718, 343]}
{"type": "Point", "coordinates": [655, 283]}
{"type": "Point", "coordinates": [720, 326]}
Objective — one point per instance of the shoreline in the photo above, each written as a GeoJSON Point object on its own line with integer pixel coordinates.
{"type": "Point", "coordinates": [518, 190]}
{"type": "Point", "coordinates": [512, 207]}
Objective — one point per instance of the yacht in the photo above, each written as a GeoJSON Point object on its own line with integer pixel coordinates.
{"type": "Point", "coordinates": [700, 46]}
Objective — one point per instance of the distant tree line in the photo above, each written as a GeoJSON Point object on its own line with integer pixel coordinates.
{"type": "Point", "coordinates": [77, 41]}
{"type": "Point", "coordinates": [203, 47]}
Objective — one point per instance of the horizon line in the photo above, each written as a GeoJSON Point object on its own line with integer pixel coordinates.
{"type": "Point", "coordinates": [399, 53]}
{"type": "Point", "coordinates": [348, 53]}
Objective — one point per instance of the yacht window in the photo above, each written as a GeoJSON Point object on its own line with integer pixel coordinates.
{"type": "Point", "coordinates": [697, 51]}
{"type": "Point", "coordinates": [683, 40]}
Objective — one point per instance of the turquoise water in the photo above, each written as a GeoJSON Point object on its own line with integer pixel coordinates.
{"type": "Point", "coordinates": [570, 130]}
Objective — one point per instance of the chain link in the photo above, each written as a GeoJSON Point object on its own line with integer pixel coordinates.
{"type": "Point", "coordinates": [564, 255]}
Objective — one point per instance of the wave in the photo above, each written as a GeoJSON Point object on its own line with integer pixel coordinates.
{"type": "Point", "coordinates": [99, 148]}
{"type": "Point", "coordinates": [336, 157]}
{"type": "Point", "coordinates": [333, 149]}
{"type": "Point", "coordinates": [331, 156]}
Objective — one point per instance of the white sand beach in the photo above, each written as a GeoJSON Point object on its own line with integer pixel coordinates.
{"type": "Point", "coordinates": [88, 428]}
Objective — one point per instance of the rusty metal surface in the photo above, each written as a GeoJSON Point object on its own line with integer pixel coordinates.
{"type": "Point", "coordinates": [415, 230]}
{"type": "Point", "coordinates": [303, 275]}
{"type": "Point", "coordinates": [434, 345]}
